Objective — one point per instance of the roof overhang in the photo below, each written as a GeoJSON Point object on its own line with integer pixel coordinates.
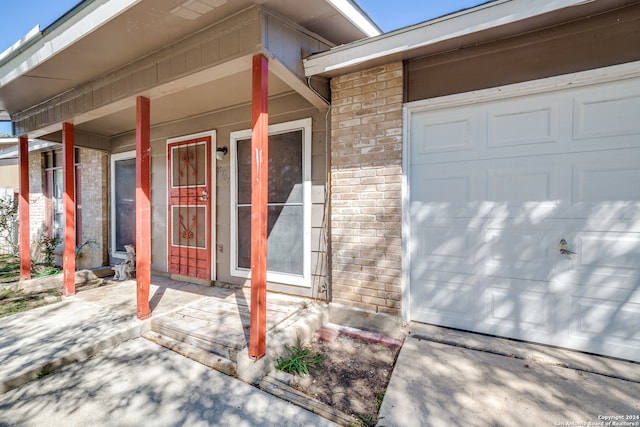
{"type": "Point", "coordinates": [489, 21]}
{"type": "Point", "coordinates": [9, 147]}
{"type": "Point", "coordinates": [112, 49]}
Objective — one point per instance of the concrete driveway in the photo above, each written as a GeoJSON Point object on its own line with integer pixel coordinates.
{"type": "Point", "coordinates": [472, 380]}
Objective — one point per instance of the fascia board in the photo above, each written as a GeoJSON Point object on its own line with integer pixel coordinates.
{"type": "Point", "coordinates": [35, 31]}
{"type": "Point", "coordinates": [73, 29]}
{"type": "Point", "coordinates": [483, 17]}
{"type": "Point", "coordinates": [356, 16]}
{"type": "Point", "coordinates": [34, 145]}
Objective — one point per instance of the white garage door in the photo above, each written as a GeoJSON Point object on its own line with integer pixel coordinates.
{"type": "Point", "coordinates": [494, 187]}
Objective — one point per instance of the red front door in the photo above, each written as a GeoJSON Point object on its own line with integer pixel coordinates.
{"type": "Point", "coordinates": [190, 207]}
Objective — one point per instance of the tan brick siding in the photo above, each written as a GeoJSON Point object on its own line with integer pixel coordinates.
{"type": "Point", "coordinates": [366, 189]}
{"type": "Point", "coordinates": [93, 188]}
{"type": "Point", "coordinates": [37, 204]}
{"type": "Point", "coordinates": [93, 183]}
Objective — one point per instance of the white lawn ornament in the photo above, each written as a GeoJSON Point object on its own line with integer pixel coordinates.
{"type": "Point", "coordinates": [127, 269]}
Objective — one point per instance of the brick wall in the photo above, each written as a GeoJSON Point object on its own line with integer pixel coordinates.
{"type": "Point", "coordinates": [37, 203]}
{"type": "Point", "coordinates": [366, 187]}
{"type": "Point", "coordinates": [93, 196]}
{"type": "Point", "coordinates": [94, 185]}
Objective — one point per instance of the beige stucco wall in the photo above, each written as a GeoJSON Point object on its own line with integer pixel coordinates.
{"type": "Point", "coordinates": [9, 176]}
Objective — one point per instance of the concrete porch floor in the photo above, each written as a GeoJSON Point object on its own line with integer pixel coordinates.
{"type": "Point", "coordinates": [207, 324]}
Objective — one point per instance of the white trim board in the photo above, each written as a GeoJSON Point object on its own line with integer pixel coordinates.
{"type": "Point", "coordinates": [128, 155]}
{"type": "Point", "coordinates": [549, 84]}
{"type": "Point", "coordinates": [489, 15]}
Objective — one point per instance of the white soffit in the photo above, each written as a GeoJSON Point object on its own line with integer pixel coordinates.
{"type": "Point", "coordinates": [355, 15]}
{"type": "Point", "coordinates": [74, 28]}
{"type": "Point", "coordinates": [486, 16]}
{"type": "Point", "coordinates": [193, 9]}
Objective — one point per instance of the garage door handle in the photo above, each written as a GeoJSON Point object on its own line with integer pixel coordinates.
{"type": "Point", "coordinates": [564, 249]}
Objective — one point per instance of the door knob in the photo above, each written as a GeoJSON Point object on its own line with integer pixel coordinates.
{"type": "Point", "coordinates": [564, 248]}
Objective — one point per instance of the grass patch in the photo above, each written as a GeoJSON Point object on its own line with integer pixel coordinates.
{"type": "Point", "coordinates": [47, 271]}
{"type": "Point", "coordinates": [299, 360]}
{"type": "Point", "coordinates": [12, 301]}
{"type": "Point", "coordinates": [10, 269]}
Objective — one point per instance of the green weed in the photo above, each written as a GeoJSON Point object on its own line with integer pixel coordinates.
{"type": "Point", "coordinates": [298, 361]}
{"type": "Point", "coordinates": [368, 420]}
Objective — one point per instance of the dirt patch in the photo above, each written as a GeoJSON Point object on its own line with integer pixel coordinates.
{"type": "Point", "coordinates": [353, 376]}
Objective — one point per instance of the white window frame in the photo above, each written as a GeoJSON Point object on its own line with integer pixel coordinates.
{"type": "Point", "coordinates": [128, 155]}
{"type": "Point", "coordinates": [303, 280]}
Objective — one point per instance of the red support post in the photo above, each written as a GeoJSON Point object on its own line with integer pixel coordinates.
{"type": "Point", "coordinates": [259, 199]}
{"type": "Point", "coordinates": [23, 209]}
{"type": "Point", "coordinates": [143, 206]}
{"type": "Point", "coordinates": [68, 199]}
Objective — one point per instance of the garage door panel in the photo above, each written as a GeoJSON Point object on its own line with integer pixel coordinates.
{"type": "Point", "coordinates": [452, 302]}
{"type": "Point", "coordinates": [488, 212]}
{"type": "Point", "coordinates": [522, 185]}
{"type": "Point", "coordinates": [607, 181]}
{"type": "Point", "coordinates": [610, 111]}
{"type": "Point", "coordinates": [442, 133]}
{"type": "Point", "coordinates": [606, 278]}
{"type": "Point", "coordinates": [523, 122]}
{"type": "Point", "coordinates": [440, 244]}
{"type": "Point", "coordinates": [606, 325]}
{"type": "Point", "coordinates": [609, 250]}
{"type": "Point", "coordinates": [517, 253]}
{"type": "Point", "coordinates": [519, 312]}
{"type": "Point", "coordinates": [446, 184]}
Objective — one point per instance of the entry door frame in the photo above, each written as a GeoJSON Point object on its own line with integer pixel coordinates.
{"type": "Point", "coordinates": [211, 238]}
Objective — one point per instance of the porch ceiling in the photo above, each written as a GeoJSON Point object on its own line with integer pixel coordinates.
{"type": "Point", "coordinates": [102, 35]}
{"type": "Point", "coordinates": [211, 96]}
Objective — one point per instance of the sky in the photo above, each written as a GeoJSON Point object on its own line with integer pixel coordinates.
{"type": "Point", "coordinates": [19, 17]}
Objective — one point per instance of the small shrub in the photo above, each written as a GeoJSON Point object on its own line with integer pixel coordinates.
{"type": "Point", "coordinates": [48, 245]}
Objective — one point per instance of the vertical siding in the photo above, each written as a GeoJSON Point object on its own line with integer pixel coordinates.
{"type": "Point", "coordinates": [598, 41]}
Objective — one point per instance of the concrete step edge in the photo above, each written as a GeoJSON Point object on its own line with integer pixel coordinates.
{"type": "Point", "coordinates": [41, 369]}
{"type": "Point", "coordinates": [207, 358]}
{"type": "Point", "coordinates": [221, 349]}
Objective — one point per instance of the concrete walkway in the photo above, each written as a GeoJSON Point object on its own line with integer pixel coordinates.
{"type": "Point", "coordinates": [120, 379]}
{"type": "Point", "coordinates": [442, 376]}
{"type": "Point", "coordinates": [45, 338]}
{"type": "Point", "coordinates": [445, 377]}
{"type": "Point", "coordinates": [139, 383]}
